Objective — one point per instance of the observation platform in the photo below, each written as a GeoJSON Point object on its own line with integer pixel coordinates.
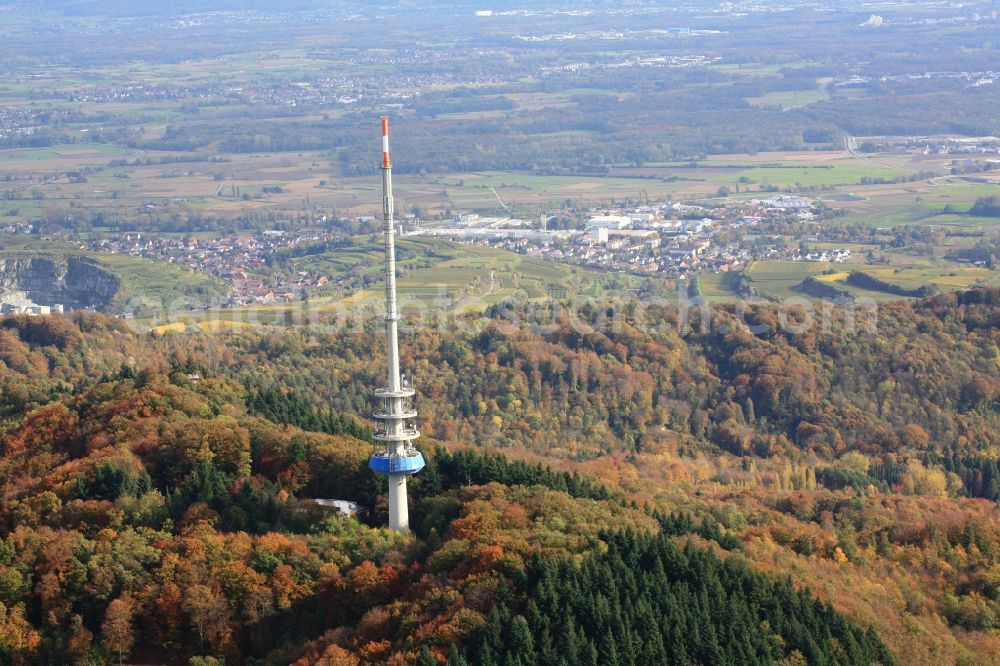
{"type": "Point", "coordinates": [404, 392]}
{"type": "Point", "coordinates": [389, 416]}
{"type": "Point", "coordinates": [402, 436]}
{"type": "Point", "coordinates": [390, 463]}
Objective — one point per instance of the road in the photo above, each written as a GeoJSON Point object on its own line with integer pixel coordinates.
{"type": "Point", "coordinates": [851, 146]}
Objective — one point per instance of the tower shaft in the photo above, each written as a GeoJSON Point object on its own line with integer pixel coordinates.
{"type": "Point", "coordinates": [398, 459]}
{"type": "Point", "coordinates": [391, 312]}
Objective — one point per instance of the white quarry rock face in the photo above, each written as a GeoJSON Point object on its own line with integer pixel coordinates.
{"type": "Point", "coordinates": [75, 282]}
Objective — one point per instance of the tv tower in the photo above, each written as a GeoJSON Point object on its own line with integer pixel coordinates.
{"type": "Point", "coordinates": [395, 411]}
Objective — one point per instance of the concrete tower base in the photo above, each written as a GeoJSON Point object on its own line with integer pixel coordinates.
{"type": "Point", "coordinates": [399, 512]}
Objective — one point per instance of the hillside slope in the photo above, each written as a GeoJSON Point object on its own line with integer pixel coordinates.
{"type": "Point", "coordinates": [861, 464]}
{"type": "Point", "coordinates": [150, 515]}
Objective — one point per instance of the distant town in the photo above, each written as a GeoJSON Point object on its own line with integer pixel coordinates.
{"type": "Point", "coordinates": [668, 239]}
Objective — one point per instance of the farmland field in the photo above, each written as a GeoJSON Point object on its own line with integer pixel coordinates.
{"type": "Point", "coordinates": [789, 99]}
{"type": "Point", "coordinates": [117, 181]}
{"type": "Point", "coordinates": [946, 278]}
{"type": "Point", "coordinates": [779, 278]}
{"type": "Point", "coordinates": [719, 287]}
{"type": "Point", "coordinates": [434, 276]}
{"type": "Point", "coordinates": [427, 265]}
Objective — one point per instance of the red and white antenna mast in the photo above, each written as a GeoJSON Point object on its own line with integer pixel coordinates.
{"type": "Point", "coordinates": [386, 162]}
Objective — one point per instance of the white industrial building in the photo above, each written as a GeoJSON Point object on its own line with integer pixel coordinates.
{"type": "Point", "coordinates": [613, 222]}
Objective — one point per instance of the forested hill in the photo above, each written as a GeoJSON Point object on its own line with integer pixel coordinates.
{"type": "Point", "coordinates": [154, 492]}
{"type": "Point", "coordinates": [149, 515]}
{"type": "Point", "coordinates": [925, 378]}
{"type": "Point", "coordinates": [919, 379]}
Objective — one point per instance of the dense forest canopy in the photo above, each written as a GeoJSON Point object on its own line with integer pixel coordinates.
{"type": "Point", "coordinates": [157, 492]}
{"type": "Point", "coordinates": [151, 514]}
{"type": "Point", "coordinates": [986, 207]}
